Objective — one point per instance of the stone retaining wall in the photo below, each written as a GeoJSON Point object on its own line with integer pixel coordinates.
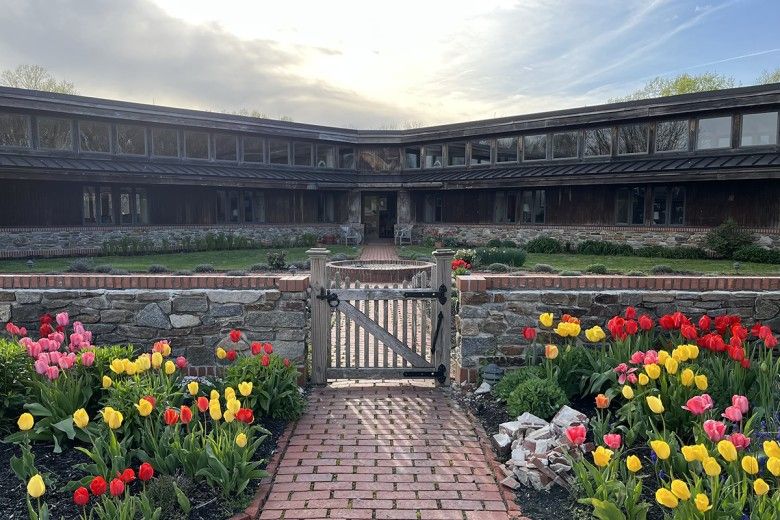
{"type": "Point", "coordinates": [635, 236]}
{"type": "Point", "coordinates": [194, 320]}
{"type": "Point", "coordinates": [493, 310]}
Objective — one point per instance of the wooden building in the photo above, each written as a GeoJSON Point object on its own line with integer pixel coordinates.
{"type": "Point", "coordinates": [652, 171]}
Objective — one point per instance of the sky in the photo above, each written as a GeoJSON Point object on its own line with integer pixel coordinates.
{"type": "Point", "coordinates": [385, 64]}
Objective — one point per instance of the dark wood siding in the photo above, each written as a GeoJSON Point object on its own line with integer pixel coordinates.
{"type": "Point", "coordinates": [35, 203]}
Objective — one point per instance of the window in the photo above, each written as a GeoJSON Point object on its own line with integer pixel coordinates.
{"type": "Point", "coordinates": [380, 159]}
{"type": "Point", "coordinates": [533, 206]}
{"type": "Point", "coordinates": [671, 136]}
{"type": "Point", "coordinates": [534, 147]}
{"type": "Point", "coordinates": [325, 207]}
{"type": "Point", "coordinates": [234, 208]}
{"type": "Point", "coordinates": [759, 129]}
{"type": "Point", "coordinates": [506, 207]}
{"type": "Point", "coordinates": [89, 210]}
{"type": "Point", "coordinates": [106, 206]}
{"type": "Point", "coordinates": [326, 156]}
{"type": "Point", "coordinates": [630, 206]}
{"type": "Point", "coordinates": [130, 140]}
{"type": "Point", "coordinates": [481, 151]}
{"type": "Point", "coordinates": [632, 139]}
{"type": "Point", "coordinates": [196, 145]}
{"type": "Point", "coordinates": [433, 156]}
{"type": "Point", "coordinates": [412, 157]}
{"type": "Point", "coordinates": [225, 146]}
{"type": "Point", "coordinates": [346, 158]}
{"type": "Point", "coordinates": [278, 152]}
{"type": "Point", "coordinates": [165, 142]}
{"type": "Point", "coordinates": [247, 206]}
{"type": "Point", "coordinates": [259, 203]}
{"type": "Point", "coordinates": [668, 205]}
{"type": "Point", "coordinates": [506, 149]}
{"type": "Point", "coordinates": [434, 207]}
{"type": "Point", "coordinates": [125, 206]}
{"type": "Point", "coordinates": [55, 133]}
{"type": "Point", "coordinates": [564, 145]}
{"type": "Point", "coordinates": [94, 137]}
{"type": "Point", "coordinates": [456, 154]}
{"type": "Point", "coordinates": [253, 150]}
{"type": "Point", "coordinates": [302, 154]}
{"type": "Point", "coordinates": [713, 132]}
{"type": "Point", "coordinates": [598, 142]}
{"type": "Point", "coordinates": [221, 207]}
{"type": "Point", "coordinates": [14, 130]}
{"type": "Point", "coordinates": [141, 208]}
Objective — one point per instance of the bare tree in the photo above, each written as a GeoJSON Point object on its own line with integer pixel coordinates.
{"type": "Point", "coordinates": [35, 77]}
{"type": "Point", "coordinates": [767, 77]}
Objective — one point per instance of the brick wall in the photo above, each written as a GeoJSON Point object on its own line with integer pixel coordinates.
{"type": "Point", "coordinates": [494, 309]}
{"type": "Point", "coordinates": [194, 313]}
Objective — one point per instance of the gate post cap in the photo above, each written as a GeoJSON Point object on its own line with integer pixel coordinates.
{"type": "Point", "coordinates": [318, 251]}
{"type": "Point", "coordinates": [443, 252]}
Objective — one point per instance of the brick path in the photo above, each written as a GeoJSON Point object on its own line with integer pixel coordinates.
{"type": "Point", "coordinates": [373, 450]}
{"type": "Point", "coordinates": [380, 251]}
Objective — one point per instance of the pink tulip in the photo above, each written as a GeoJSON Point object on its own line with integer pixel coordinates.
{"type": "Point", "coordinates": [41, 365]}
{"type": "Point", "coordinates": [78, 327]}
{"type": "Point", "coordinates": [632, 378]}
{"type": "Point", "coordinates": [613, 440]}
{"type": "Point", "coordinates": [651, 357]}
{"type": "Point", "coordinates": [733, 414]}
{"type": "Point", "coordinates": [638, 357]}
{"type": "Point", "coordinates": [181, 362]}
{"type": "Point", "coordinates": [87, 336]}
{"type": "Point", "coordinates": [699, 404]}
{"type": "Point", "coordinates": [22, 331]}
{"type": "Point", "coordinates": [739, 440]}
{"type": "Point", "coordinates": [66, 361]}
{"type": "Point", "coordinates": [45, 356]}
{"type": "Point", "coordinates": [54, 357]}
{"type": "Point", "coordinates": [576, 434]}
{"type": "Point", "coordinates": [741, 402]}
{"type": "Point", "coordinates": [88, 358]}
{"type": "Point", "coordinates": [76, 339]}
{"type": "Point", "coordinates": [715, 430]}
{"type": "Point", "coordinates": [25, 341]}
{"type": "Point", "coordinates": [52, 373]}
{"type": "Point", "coordinates": [34, 350]}
{"type": "Point", "coordinates": [59, 337]}
{"type": "Point", "coordinates": [63, 319]}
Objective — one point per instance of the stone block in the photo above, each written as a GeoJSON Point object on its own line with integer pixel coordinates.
{"type": "Point", "coordinates": [152, 316]}
{"type": "Point", "coordinates": [293, 350]}
{"type": "Point", "coordinates": [511, 428]}
{"type": "Point", "coordinates": [180, 321]}
{"type": "Point", "coordinates": [291, 335]}
{"type": "Point", "coordinates": [276, 319]}
{"type": "Point", "coordinates": [189, 304]}
{"type": "Point", "coordinates": [227, 296]}
{"type": "Point", "coordinates": [501, 443]}
{"type": "Point", "coordinates": [25, 297]}
{"type": "Point", "coordinates": [226, 310]}
{"type": "Point", "coordinates": [5, 313]}
{"type": "Point", "coordinates": [477, 345]}
{"type": "Point", "coordinates": [568, 416]}
{"type": "Point", "coordinates": [115, 316]}
{"type": "Point", "coordinates": [766, 308]}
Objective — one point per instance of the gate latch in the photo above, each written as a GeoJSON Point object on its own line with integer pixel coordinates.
{"type": "Point", "coordinates": [439, 374]}
{"type": "Point", "coordinates": [439, 294]}
{"type": "Point", "coordinates": [331, 298]}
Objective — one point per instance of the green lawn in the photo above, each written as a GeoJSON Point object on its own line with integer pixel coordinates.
{"type": "Point", "coordinates": [624, 264]}
{"type": "Point", "coordinates": [221, 260]}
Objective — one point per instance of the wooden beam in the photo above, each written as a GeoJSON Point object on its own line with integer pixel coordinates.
{"type": "Point", "coordinates": [382, 294]}
{"type": "Point", "coordinates": [371, 372]}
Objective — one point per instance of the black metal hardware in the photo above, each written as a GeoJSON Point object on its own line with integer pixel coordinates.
{"type": "Point", "coordinates": [331, 298]}
{"type": "Point", "coordinates": [440, 294]}
{"type": "Point", "coordinates": [440, 374]}
{"type": "Point", "coordinates": [439, 319]}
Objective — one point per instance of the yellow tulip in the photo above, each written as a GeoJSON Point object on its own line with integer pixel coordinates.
{"type": "Point", "coordinates": [117, 366]}
{"type": "Point", "coordinates": [106, 412]}
{"type": "Point", "coordinates": [170, 367]}
{"type": "Point", "coordinates": [221, 353]}
{"type": "Point", "coordinates": [671, 365]}
{"type": "Point", "coordinates": [112, 418]}
{"type": "Point", "coordinates": [35, 486]}
{"type": "Point", "coordinates": [228, 416]}
{"type": "Point", "coordinates": [687, 377]}
{"type": "Point", "coordinates": [81, 418]}
{"type": "Point", "coordinates": [661, 449]}
{"type": "Point", "coordinates": [653, 371]}
{"type": "Point", "coordinates": [627, 392]}
{"type": "Point", "coordinates": [680, 489]}
{"type": "Point", "coordinates": [633, 463]}
{"type": "Point", "coordinates": [130, 368]}
{"type": "Point", "coordinates": [574, 329]}
{"type": "Point", "coordinates": [696, 452]}
{"type": "Point", "coordinates": [773, 465]}
{"type": "Point", "coordinates": [727, 450]}
{"type": "Point", "coordinates": [772, 449]}
{"type": "Point", "coordinates": [655, 404]}
{"type": "Point", "coordinates": [193, 387]}
{"type": "Point", "coordinates": [643, 379]}
{"type": "Point", "coordinates": [595, 334]}
{"type": "Point", "coordinates": [760, 487]}
{"type": "Point", "coordinates": [215, 410]}
{"type": "Point", "coordinates": [711, 466]}
{"type": "Point", "coordinates": [701, 382]}
{"type": "Point", "coordinates": [157, 360]}
{"type": "Point", "coordinates": [749, 465]}
{"type": "Point", "coordinates": [702, 502]}
{"type": "Point", "coordinates": [166, 349]}
{"type": "Point", "coordinates": [602, 456]}
{"type": "Point", "coordinates": [546, 319]}
{"type": "Point", "coordinates": [241, 440]}
{"type": "Point", "coordinates": [143, 362]}
{"type": "Point", "coordinates": [666, 498]}
{"type": "Point", "coordinates": [144, 407]}
{"type": "Point", "coordinates": [213, 395]}
{"type": "Point", "coordinates": [245, 388]}
{"type": "Point", "coordinates": [230, 393]}
{"type": "Point", "coordinates": [25, 421]}
{"type": "Point", "coordinates": [107, 382]}
{"type": "Point", "coordinates": [662, 357]}
{"type": "Point", "coordinates": [550, 351]}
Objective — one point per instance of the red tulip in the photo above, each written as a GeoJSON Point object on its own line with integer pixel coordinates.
{"type": "Point", "coordinates": [265, 361]}
{"type": "Point", "coordinates": [613, 440]}
{"type": "Point", "coordinates": [529, 333]}
{"type": "Point", "coordinates": [181, 362]}
{"type": "Point", "coordinates": [689, 332]}
{"type": "Point", "coordinates": [245, 415]}
{"type": "Point", "coordinates": [645, 322]}
{"type": "Point", "coordinates": [257, 347]}
{"type": "Point", "coordinates": [576, 434]}
{"type": "Point", "coordinates": [269, 349]}
{"type": "Point", "coordinates": [745, 363]}
{"type": "Point", "coordinates": [203, 404]}
{"type": "Point", "coordinates": [631, 327]}
{"type": "Point", "coordinates": [81, 496]}
{"type": "Point", "coordinates": [235, 335]}
{"type": "Point", "coordinates": [98, 486]}
{"type": "Point", "coordinates": [117, 487]}
{"type": "Point", "coordinates": [170, 416]}
{"type": "Point", "coordinates": [630, 313]}
{"type": "Point", "coordinates": [145, 472]}
{"type": "Point", "coordinates": [126, 476]}
{"type": "Point", "coordinates": [151, 400]}
{"type": "Point", "coordinates": [770, 341]}
{"type": "Point", "coordinates": [705, 322]}
{"type": "Point", "coordinates": [287, 362]}
{"type": "Point", "coordinates": [231, 355]}
{"type": "Point", "coordinates": [186, 414]}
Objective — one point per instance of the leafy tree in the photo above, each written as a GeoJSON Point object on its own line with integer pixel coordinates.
{"type": "Point", "coordinates": [35, 77]}
{"type": "Point", "coordinates": [682, 84]}
{"type": "Point", "coordinates": [767, 77]}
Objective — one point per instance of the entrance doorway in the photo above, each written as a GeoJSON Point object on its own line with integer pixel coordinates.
{"type": "Point", "coordinates": [379, 215]}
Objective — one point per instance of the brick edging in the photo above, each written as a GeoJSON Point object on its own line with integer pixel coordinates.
{"type": "Point", "coordinates": [507, 495]}
{"type": "Point", "coordinates": [284, 283]}
{"type": "Point", "coordinates": [485, 282]}
{"type": "Point", "coordinates": [255, 507]}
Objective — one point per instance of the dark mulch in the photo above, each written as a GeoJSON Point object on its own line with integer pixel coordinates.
{"type": "Point", "coordinates": [61, 468]}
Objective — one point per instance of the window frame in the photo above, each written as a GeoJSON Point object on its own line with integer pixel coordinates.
{"type": "Point", "coordinates": [647, 139]}
{"type": "Point", "coordinates": [263, 155]}
{"type": "Point", "coordinates": [611, 152]}
{"type": "Point", "coordinates": [517, 141]}
{"type": "Point", "coordinates": [629, 190]}
{"type": "Point", "coordinates": [424, 163]}
{"type": "Point", "coordinates": [213, 145]}
{"type": "Point", "coordinates": [208, 145]}
{"type": "Point", "coordinates": [669, 205]}
{"type": "Point", "coordinates": [576, 136]}
{"type": "Point", "coordinates": [29, 134]}
{"type": "Point", "coordinates": [117, 150]}
{"type": "Point", "coordinates": [688, 143]}
{"type": "Point", "coordinates": [110, 151]}
{"type": "Point", "coordinates": [448, 157]}
{"type": "Point", "coordinates": [419, 157]}
{"type": "Point", "coordinates": [295, 145]}
{"type": "Point", "coordinates": [93, 190]}
{"type": "Point", "coordinates": [334, 149]}
{"type": "Point", "coordinates": [758, 146]}
{"type": "Point", "coordinates": [491, 144]}
{"type": "Point", "coordinates": [178, 143]}
{"type": "Point", "coordinates": [288, 144]}
{"type": "Point", "coordinates": [70, 149]}
{"type": "Point", "coordinates": [339, 157]}
{"type": "Point", "coordinates": [546, 147]}
{"type": "Point", "coordinates": [730, 146]}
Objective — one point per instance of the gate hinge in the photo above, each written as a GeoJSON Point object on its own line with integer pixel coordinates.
{"type": "Point", "coordinates": [440, 374]}
{"type": "Point", "coordinates": [439, 294]}
{"type": "Point", "coordinates": [331, 298]}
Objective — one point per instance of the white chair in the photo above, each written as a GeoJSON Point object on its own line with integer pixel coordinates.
{"type": "Point", "coordinates": [403, 234]}
{"type": "Point", "coordinates": [348, 233]}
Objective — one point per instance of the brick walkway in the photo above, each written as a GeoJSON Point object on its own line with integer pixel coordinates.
{"type": "Point", "coordinates": [373, 450]}
{"type": "Point", "coordinates": [380, 251]}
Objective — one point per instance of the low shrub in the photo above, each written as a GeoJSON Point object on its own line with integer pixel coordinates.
{"type": "Point", "coordinates": [235, 273]}
{"type": "Point", "coordinates": [514, 377]}
{"type": "Point", "coordinates": [635, 273]}
{"type": "Point", "coordinates": [16, 373]}
{"type": "Point", "coordinates": [757, 254]}
{"type": "Point", "coordinates": [495, 242]}
{"type": "Point", "coordinates": [498, 268]}
{"type": "Point", "coordinates": [119, 271]}
{"type": "Point", "coordinates": [491, 255]}
{"type": "Point", "coordinates": [544, 268]}
{"type": "Point", "coordinates": [509, 243]}
{"type": "Point", "coordinates": [570, 273]}
{"type": "Point", "coordinates": [603, 247]}
{"type": "Point", "coordinates": [596, 269]}
{"type": "Point", "coordinates": [277, 260]}
{"type": "Point", "coordinates": [541, 397]}
{"type": "Point", "coordinates": [203, 268]}
{"type": "Point", "coordinates": [102, 268]}
{"type": "Point", "coordinates": [662, 269]}
{"type": "Point", "coordinates": [258, 267]}
{"type": "Point", "coordinates": [156, 269]}
{"type": "Point", "coordinates": [466, 255]}
{"type": "Point", "coordinates": [677, 252]}
{"type": "Point", "coordinates": [727, 238]}
{"type": "Point", "coordinates": [546, 245]}
{"type": "Point", "coordinates": [80, 265]}
{"type": "Point", "coordinates": [275, 391]}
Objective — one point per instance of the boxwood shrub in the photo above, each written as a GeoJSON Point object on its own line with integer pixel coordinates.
{"type": "Point", "coordinates": [545, 245]}
{"type": "Point", "coordinates": [757, 254]}
{"type": "Point", "coordinates": [485, 256]}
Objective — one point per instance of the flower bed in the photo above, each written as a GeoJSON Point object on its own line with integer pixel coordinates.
{"type": "Point", "coordinates": [133, 438]}
{"type": "Point", "coordinates": [684, 416]}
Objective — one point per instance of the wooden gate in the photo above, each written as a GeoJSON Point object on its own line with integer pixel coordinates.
{"type": "Point", "coordinates": [381, 331]}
